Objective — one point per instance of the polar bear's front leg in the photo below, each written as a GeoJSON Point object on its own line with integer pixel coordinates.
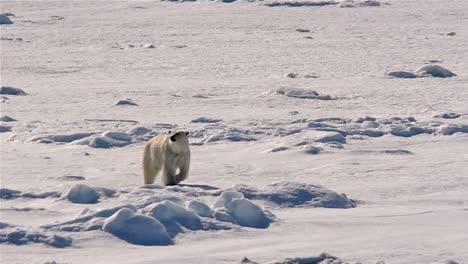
{"type": "Point", "coordinates": [168, 176]}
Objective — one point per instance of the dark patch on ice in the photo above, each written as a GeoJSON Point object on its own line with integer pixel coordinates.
{"type": "Point", "coordinates": [71, 178]}
{"type": "Point", "coordinates": [6, 118]}
{"type": "Point", "coordinates": [300, 4]}
{"type": "Point", "coordinates": [295, 194]}
{"type": "Point", "coordinates": [448, 115]}
{"type": "Point", "coordinates": [292, 75]}
{"type": "Point", "coordinates": [205, 120]}
{"type": "Point", "coordinates": [5, 20]}
{"type": "Point", "coordinates": [4, 225]}
{"type": "Point", "coordinates": [11, 91]}
{"type": "Point", "coordinates": [126, 102]}
{"type": "Point", "coordinates": [111, 120]}
{"type": "Point", "coordinates": [301, 93]}
{"type": "Point", "coordinates": [302, 30]}
{"type": "Point", "coordinates": [22, 237]}
{"type": "Point", "coordinates": [362, 3]}
{"type": "Point", "coordinates": [311, 150]}
{"type": "Point", "coordinates": [402, 74]}
{"type": "Point", "coordinates": [451, 34]}
{"type": "Point", "coordinates": [387, 151]}
{"type": "Point", "coordinates": [4, 129]}
{"type": "Point", "coordinates": [323, 258]}
{"type": "Point", "coordinates": [278, 149]}
{"type": "Point", "coordinates": [332, 137]}
{"type": "Point", "coordinates": [24, 209]}
{"type": "Point", "coordinates": [13, 194]}
{"type": "Point", "coordinates": [334, 120]}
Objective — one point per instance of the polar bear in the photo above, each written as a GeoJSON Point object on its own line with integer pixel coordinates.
{"type": "Point", "coordinates": [169, 152]}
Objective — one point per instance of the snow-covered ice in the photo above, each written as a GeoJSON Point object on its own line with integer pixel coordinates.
{"type": "Point", "coordinates": [315, 126]}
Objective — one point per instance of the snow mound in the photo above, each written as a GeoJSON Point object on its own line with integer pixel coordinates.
{"type": "Point", "coordinates": [448, 115]}
{"type": "Point", "coordinates": [295, 194]}
{"type": "Point", "coordinates": [246, 213]}
{"type": "Point", "coordinates": [5, 20]}
{"type": "Point", "coordinates": [126, 102]}
{"type": "Point", "coordinates": [450, 129]}
{"type": "Point", "coordinates": [353, 3]}
{"type": "Point", "coordinates": [6, 118]}
{"type": "Point", "coordinates": [82, 194]}
{"type": "Point", "coordinates": [200, 208]}
{"type": "Point", "coordinates": [313, 150]}
{"type": "Point", "coordinates": [331, 137]}
{"type": "Point", "coordinates": [172, 216]}
{"type": "Point", "coordinates": [12, 91]}
{"type": "Point", "coordinates": [231, 134]}
{"type": "Point", "coordinates": [72, 178]}
{"type": "Point", "coordinates": [233, 207]}
{"type": "Point", "coordinates": [136, 229]}
{"type": "Point", "coordinates": [435, 71]}
{"type": "Point", "coordinates": [21, 237]}
{"type": "Point", "coordinates": [205, 120]}
{"type": "Point", "coordinates": [106, 140]}
{"type": "Point", "coordinates": [60, 138]}
{"type": "Point", "coordinates": [301, 93]}
{"type": "Point", "coordinates": [138, 131]}
{"type": "Point", "coordinates": [402, 74]}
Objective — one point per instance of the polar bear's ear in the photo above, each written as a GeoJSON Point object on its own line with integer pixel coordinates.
{"type": "Point", "coordinates": [169, 132]}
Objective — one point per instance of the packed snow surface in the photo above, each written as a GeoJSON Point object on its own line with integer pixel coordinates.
{"type": "Point", "coordinates": [314, 126]}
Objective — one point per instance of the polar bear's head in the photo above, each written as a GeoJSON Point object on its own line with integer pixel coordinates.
{"type": "Point", "coordinates": [178, 140]}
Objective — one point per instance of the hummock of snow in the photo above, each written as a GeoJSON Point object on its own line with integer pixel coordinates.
{"type": "Point", "coordinates": [448, 115]}
{"type": "Point", "coordinates": [6, 118]}
{"type": "Point", "coordinates": [136, 229]}
{"type": "Point", "coordinates": [293, 194]}
{"type": "Point", "coordinates": [7, 90]}
{"type": "Point", "coordinates": [425, 71]}
{"type": "Point", "coordinates": [450, 129]}
{"type": "Point", "coordinates": [301, 93]}
{"type": "Point", "coordinates": [200, 208]}
{"type": "Point", "coordinates": [435, 71]}
{"type": "Point", "coordinates": [82, 194]}
{"type": "Point", "coordinates": [172, 215]}
{"type": "Point", "coordinates": [205, 120]}
{"type": "Point", "coordinates": [126, 102]}
{"type": "Point", "coordinates": [231, 206]}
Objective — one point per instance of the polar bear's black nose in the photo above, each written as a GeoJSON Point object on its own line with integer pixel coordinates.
{"type": "Point", "coordinates": [173, 139]}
